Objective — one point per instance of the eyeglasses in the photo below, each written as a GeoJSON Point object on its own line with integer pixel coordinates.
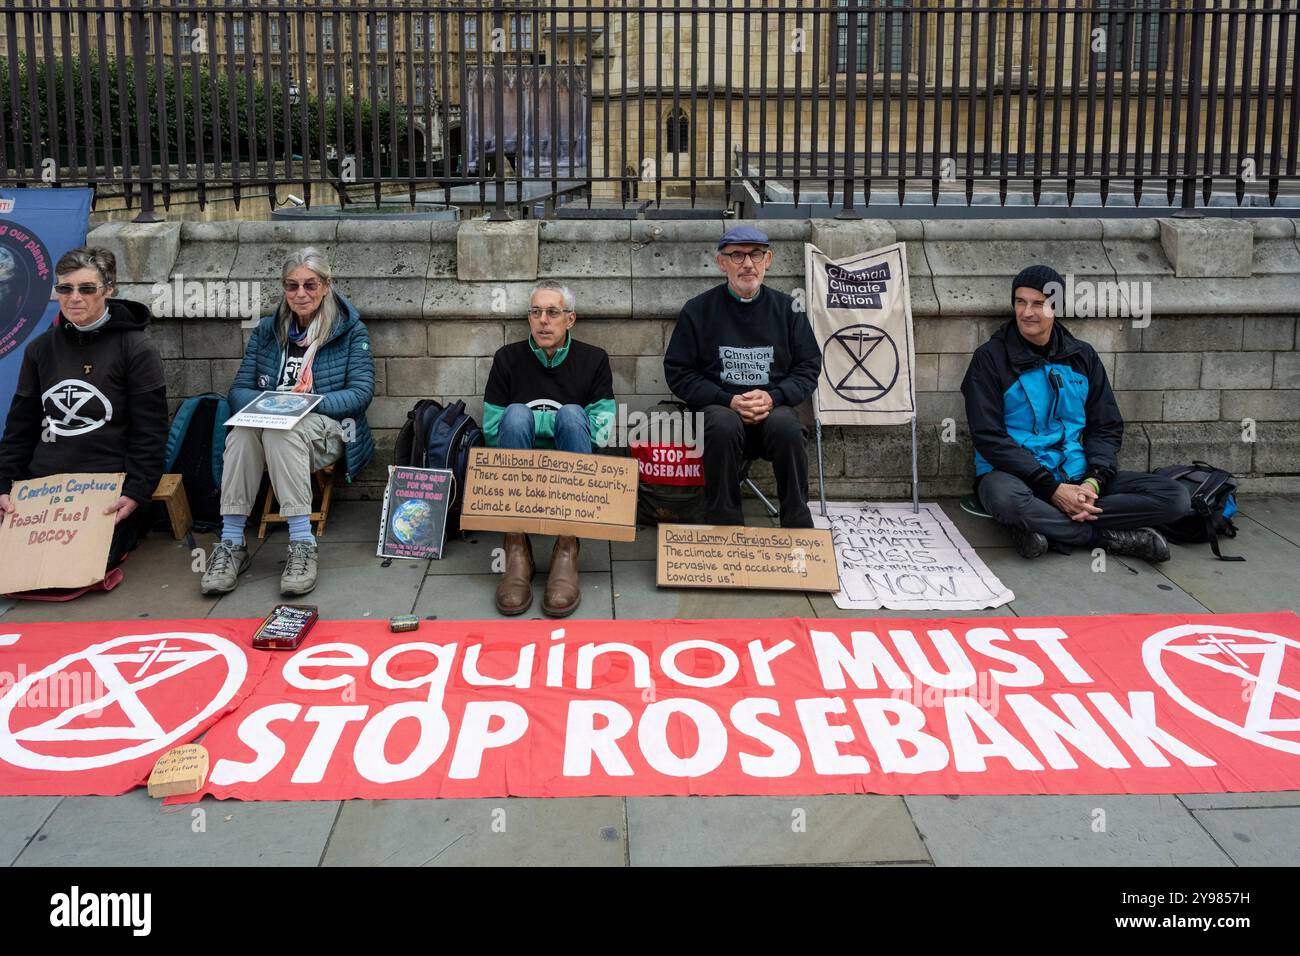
{"type": "Point", "coordinates": [85, 288]}
{"type": "Point", "coordinates": [311, 285]}
{"type": "Point", "coordinates": [739, 257]}
{"type": "Point", "coordinates": [552, 313]}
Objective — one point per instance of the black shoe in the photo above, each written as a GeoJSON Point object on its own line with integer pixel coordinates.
{"type": "Point", "coordinates": [1145, 543]}
{"type": "Point", "coordinates": [1029, 544]}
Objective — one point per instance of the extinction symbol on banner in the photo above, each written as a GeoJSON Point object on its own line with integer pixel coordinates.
{"type": "Point", "coordinates": [1254, 657]}
{"type": "Point", "coordinates": [128, 668]}
{"type": "Point", "coordinates": [872, 363]}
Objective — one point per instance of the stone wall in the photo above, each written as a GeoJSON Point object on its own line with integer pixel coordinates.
{"type": "Point", "coordinates": [1216, 366]}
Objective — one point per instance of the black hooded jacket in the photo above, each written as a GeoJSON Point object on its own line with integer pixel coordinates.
{"type": "Point", "coordinates": [90, 402]}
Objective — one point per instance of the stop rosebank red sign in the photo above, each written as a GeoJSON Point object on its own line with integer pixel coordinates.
{"type": "Point", "coordinates": [1137, 704]}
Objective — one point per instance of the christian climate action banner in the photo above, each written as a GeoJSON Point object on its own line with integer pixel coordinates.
{"type": "Point", "coordinates": [1119, 704]}
{"type": "Point", "coordinates": [860, 308]}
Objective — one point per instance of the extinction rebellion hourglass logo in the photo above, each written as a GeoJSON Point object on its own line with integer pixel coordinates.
{"type": "Point", "coordinates": [26, 278]}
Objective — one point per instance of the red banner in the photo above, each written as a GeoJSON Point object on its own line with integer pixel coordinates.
{"type": "Point", "coordinates": [1121, 704]}
{"type": "Point", "coordinates": [659, 464]}
{"type": "Point", "coordinates": [86, 708]}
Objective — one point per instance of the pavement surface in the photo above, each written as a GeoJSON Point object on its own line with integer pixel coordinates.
{"type": "Point", "coordinates": [618, 583]}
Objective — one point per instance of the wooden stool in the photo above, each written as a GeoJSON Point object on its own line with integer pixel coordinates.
{"type": "Point", "coordinates": [171, 490]}
{"type": "Point", "coordinates": [324, 482]}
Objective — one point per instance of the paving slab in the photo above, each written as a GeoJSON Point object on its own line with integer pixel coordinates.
{"type": "Point", "coordinates": [1256, 837]}
{"type": "Point", "coordinates": [470, 597]}
{"type": "Point", "coordinates": [1278, 513]}
{"type": "Point", "coordinates": [497, 832]}
{"type": "Point", "coordinates": [1240, 801]}
{"type": "Point", "coordinates": [1265, 581]}
{"type": "Point", "coordinates": [758, 831]}
{"type": "Point", "coordinates": [978, 532]}
{"type": "Point", "coordinates": [20, 819]}
{"type": "Point", "coordinates": [1140, 830]}
{"type": "Point", "coordinates": [1066, 584]}
{"type": "Point", "coordinates": [136, 830]}
{"type": "Point", "coordinates": [159, 582]}
{"type": "Point", "coordinates": [348, 521]}
{"type": "Point", "coordinates": [639, 599]}
{"type": "Point", "coordinates": [352, 583]}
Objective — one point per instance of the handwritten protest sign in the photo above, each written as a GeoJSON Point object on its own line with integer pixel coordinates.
{"type": "Point", "coordinates": [414, 519]}
{"type": "Point", "coordinates": [890, 557]}
{"type": "Point", "coordinates": [179, 771]}
{"type": "Point", "coordinates": [550, 492]}
{"type": "Point", "coordinates": [58, 535]}
{"type": "Point", "coordinates": [724, 556]}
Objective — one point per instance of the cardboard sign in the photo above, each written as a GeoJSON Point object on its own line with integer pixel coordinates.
{"type": "Point", "coordinates": [890, 557]}
{"type": "Point", "coordinates": [550, 492]}
{"type": "Point", "coordinates": [414, 520]}
{"type": "Point", "coordinates": [58, 536]}
{"type": "Point", "coordinates": [726, 556]}
{"type": "Point", "coordinates": [278, 410]}
{"type": "Point", "coordinates": [179, 771]}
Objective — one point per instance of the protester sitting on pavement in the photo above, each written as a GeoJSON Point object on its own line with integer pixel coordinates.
{"type": "Point", "coordinates": [315, 343]}
{"type": "Point", "coordinates": [549, 391]}
{"type": "Point", "coordinates": [91, 397]}
{"type": "Point", "coordinates": [744, 357]}
{"type": "Point", "coordinates": [1047, 434]}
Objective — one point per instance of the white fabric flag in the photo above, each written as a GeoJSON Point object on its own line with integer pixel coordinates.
{"type": "Point", "coordinates": [861, 312]}
{"type": "Point", "coordinates": [889, 557]}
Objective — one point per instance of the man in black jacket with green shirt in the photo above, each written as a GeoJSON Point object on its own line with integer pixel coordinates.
{"type": "Point", "coordinates": [743, 356]}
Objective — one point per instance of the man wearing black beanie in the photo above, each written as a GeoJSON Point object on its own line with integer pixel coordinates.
{"type": "Point", "coordinates": [1047, 434]}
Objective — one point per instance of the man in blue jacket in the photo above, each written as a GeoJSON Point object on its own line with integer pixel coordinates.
{"type": "Point", "coordinates": [1047, 433]}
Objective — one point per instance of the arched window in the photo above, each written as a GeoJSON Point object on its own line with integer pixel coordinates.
{"type": "Point", "coordinates": [677, 131]}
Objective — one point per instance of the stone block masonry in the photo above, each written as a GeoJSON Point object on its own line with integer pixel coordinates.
{"type": "Point", "coordinates": [1211, 371]}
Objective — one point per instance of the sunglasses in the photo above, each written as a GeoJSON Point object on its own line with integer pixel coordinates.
{"type": "Point", "coordinates": [311, 285]}
{"type": "Point", "coordinates": [86, 288]}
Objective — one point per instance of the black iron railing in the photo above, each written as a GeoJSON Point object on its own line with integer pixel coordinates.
{"type": "Point", "coordinates": [807, 104]}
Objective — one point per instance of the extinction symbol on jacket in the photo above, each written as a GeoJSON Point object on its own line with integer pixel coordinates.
{"type": "Point", "coordinates": [73, 407]}
{"type": "Point", "coordinates": [861, 363]}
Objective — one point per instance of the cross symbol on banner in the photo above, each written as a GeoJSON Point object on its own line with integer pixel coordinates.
{"type": "Point", "coordinates": [858, 346]}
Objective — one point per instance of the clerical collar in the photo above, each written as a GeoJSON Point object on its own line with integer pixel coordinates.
{"type": "Point", "coordinates": [739, 298]}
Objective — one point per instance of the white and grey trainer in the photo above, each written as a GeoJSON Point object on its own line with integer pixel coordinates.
{"type": "Point", "coordinates": [225, 564]}
{"type": "Point", "coordinates": [299, 575]}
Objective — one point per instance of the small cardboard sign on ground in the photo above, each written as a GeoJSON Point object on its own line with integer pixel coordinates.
{"type": "Point", "coordinates": [726, 556]}
{"type": "Point", "coordinates": [58, 535]}
{"type": "Point", "coordinates": [179, 771]}
{"type": "Point", "coordinates": [538, 491]}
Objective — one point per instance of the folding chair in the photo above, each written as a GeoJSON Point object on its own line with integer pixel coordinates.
{"type": "Point", "coordinates": [324, 480]}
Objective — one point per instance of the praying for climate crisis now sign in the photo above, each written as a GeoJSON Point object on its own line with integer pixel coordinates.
{"type": "Point", "coordinates": [1109, 704]}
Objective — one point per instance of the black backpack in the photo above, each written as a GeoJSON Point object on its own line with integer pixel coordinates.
{"type": "Point", "coordinates": [196, 444]}
{"type": "Point", "coordinates": [438, 437]}
{"type": "Point", "coordinates": [1214, 502]}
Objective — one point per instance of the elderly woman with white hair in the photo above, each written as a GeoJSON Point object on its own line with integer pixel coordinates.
{"type": "Point", "coordinates": [315, 343]}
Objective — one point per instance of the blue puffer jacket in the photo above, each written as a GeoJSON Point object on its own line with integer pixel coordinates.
{"type": "Point", "coordinates": [1045, 419]}
{"type": "Point", "coordinates": [343, 372]}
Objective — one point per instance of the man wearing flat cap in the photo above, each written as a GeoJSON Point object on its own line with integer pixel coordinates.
{"type": "Point", "coordinates": [745, 358]}
{"type": "Point", "coordinates": [1047, 434]}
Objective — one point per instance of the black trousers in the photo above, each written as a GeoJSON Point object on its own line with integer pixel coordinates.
{"type": "Point", "coordinates": [128, 534]}
{"type": "Point", "coordinates": [1134, 499]}
{"type": "Point", "coordinates": [780, 438]}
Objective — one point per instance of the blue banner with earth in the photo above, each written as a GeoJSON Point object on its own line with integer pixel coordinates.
{"type": "Point", "coordinates": [37, 226]}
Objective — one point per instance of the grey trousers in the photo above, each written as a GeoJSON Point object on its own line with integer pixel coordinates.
{"type": "Point", "coordinates": [1134, 499]}
{"type": "Point", "coordinates": [289, 457]}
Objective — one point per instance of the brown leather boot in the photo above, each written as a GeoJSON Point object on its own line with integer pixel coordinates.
{"type": "Point", "coordinates": [562, 593]}
{"type": "Point", "coordinates": [515, 592]}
